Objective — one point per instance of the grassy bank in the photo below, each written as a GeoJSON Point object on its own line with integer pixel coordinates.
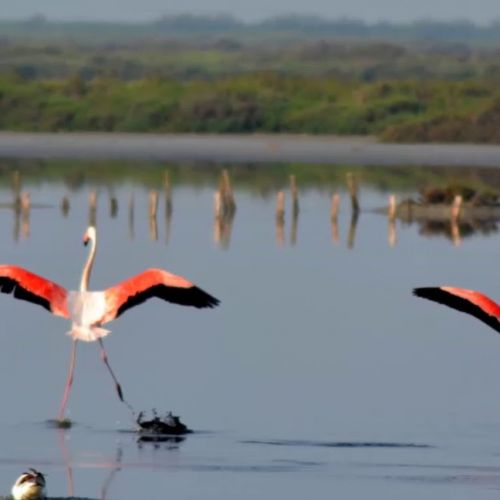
{"type": "Point", "coordinates": [261, 102]}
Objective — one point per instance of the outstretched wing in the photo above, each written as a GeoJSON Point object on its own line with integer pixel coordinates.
{"type": "Point", "coordinates": [468, 301]}
{"type": "Point", "coordinates": [28, 286]}
{"type": "Point", "coordinates": [154, 283]}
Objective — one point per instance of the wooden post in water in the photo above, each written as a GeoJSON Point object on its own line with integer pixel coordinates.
{"type": "Point", "coordinates": [229, 203]}
{"type": "Point", "coordinates": [25, 214]}
{"type": "Point", "coordinates": [153, 209]}
{"type": "Point", "coordinates": [391, 217]}
{"type": "Point", "coordinates": [224, 210]}
{"type": "Point", "coordinates": [352, 230]}
{"type": "Point", "coordinates": [294, 193]}
{"type": "Point", "coordinates": [218, 211]}
{"type": "Point", "coordinates": [223, 220]}
{"type": "Point", "coordinates": [352, 186]}
{"type": "Point", "coordinates": [92, 208]}
{"type": "Point", "coordinates": [65, 206]}
{"type": "Point", "coordinates": [280, 218]}
{"type": "Point", "coordinates": [334, 211]}
{"type": "Point", "coordinates": [217, 217]}
{"type": "Point", "coordinates": [456, 207]}
{"type": "Point", "coordinates": [113, 205]}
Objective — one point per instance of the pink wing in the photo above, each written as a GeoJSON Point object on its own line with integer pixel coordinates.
{"type": "Point", "coordinates": [154, 283]}
{"type": "Point", "coordinates": [29, 286]}
{"type": "Point", "coordinates": [468, 301]}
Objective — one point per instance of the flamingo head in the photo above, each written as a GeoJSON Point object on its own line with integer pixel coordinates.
{"type": "Point", "coordinates": [90, 235]}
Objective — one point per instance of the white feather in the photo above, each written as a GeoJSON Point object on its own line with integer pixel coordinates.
{"type": "Point", "coordinates": [28, 490]}
{"type": "Point", "coordinates": [86, 310]}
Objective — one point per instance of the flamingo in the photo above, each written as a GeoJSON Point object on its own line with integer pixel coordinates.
{"type": "Point", "coordinates": [468, 301]}
{"type": "Point", "coordinates": [89, 310]}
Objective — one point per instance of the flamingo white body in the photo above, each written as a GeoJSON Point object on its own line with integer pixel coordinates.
{"type": "Point", "coordinates": [86, 309]}
{"type": "Point", "coordinates": [89, 310]}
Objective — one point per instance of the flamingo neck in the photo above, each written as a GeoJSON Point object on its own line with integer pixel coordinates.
{"type": "Point", "coordinates": [87, 269]}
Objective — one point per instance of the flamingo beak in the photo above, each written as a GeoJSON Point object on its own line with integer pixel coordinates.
{"type": "Point", "coordinates": [85, 240]}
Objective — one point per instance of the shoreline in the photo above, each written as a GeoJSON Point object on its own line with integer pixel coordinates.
{"type": "Point", "coordinates": [258, 148]}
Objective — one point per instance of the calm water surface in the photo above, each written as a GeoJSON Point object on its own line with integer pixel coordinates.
{"type": "Point", "coordinates": [318, 376]}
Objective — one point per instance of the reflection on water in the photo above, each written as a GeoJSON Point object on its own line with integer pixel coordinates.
{"type": "Point", "coordinates": [153, 209]}
{"type": "Point", "coordinates": [92, 218]}
{"type": "Point", "coordinates": [454, 221]}
{"type": "Point", "coordinates": [113, 466]}
{"type": "Point", "coordinates": [294, 193]}
{"type": "Point", "coordinates": [334, 217]}
{"type": "Point", "coordinates": [65, 206]}
{"type": "Point", "coordinates": [167, 187]}
{"type": "Point", "coordinates": [224, 211]}
{"type": "Point", "coordinates": [280, 218]}
{"type": "Point", "coordinates": [391, 216]}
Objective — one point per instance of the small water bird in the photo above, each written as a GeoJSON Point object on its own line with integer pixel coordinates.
{"type": "Point", "coordinates": [29, 486]}
{"type": "Point", "coordinates": [89, 310]}
{"type": "Point", "coordinates": [468, 301]}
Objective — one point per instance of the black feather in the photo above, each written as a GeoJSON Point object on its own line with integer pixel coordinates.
{"type": "Point", "coordinates": [448, 299]}
{"type": "Point", "coordinates": [193, 296]}
{"type": "Point", "coordinates": [9, 285]}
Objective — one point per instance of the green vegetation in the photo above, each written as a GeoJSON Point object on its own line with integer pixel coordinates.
{"type": "Point", "coordinates": [214, 56]}
{"type": "Point", "coordinates": [197, 47]}
{"type": "Point", "coordinates": [263, 102]}
{"type": "Point", "coordinates": [418, 82]}
{"type": "Point", "coordinates": [288, 26]}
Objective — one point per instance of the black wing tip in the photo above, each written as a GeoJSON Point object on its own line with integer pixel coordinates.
{"type": "Point", "coordinates": [426, 291]}
{"type": "Point", "coordinates": [437, 294]}
{"type": "Point", "coordinates": [11, 286]}
{"type": "Point", "coordinates": [205, 299]}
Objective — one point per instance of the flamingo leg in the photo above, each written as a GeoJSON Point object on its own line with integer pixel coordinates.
{"type": "Point", "coordinates": [104, 357]}
{"type": "Point", "coordinates": [69, 382]}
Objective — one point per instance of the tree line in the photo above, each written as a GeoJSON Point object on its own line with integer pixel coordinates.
{"type": "Point", "coordinates": [397, 110]}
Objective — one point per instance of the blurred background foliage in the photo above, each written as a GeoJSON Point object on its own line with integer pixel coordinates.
{"type": "Point", "coordinates": [424, 81]}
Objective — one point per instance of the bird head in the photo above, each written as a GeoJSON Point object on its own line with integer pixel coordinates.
{"type": "Point", "coordinates": [90, 234]}
{"type": "Point", "coordinates": [29, 485]}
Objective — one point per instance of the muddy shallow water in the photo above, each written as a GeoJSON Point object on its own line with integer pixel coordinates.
{"type": "Point", "coordinates": [319, 374]}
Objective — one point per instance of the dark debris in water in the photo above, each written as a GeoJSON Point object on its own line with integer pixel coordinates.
{"type": "Point", "coordinates": [65, 423]}
{"type": "Point", "coordinates": [159, 429]}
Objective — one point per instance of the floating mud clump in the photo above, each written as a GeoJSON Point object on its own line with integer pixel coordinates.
{"type": "Point", "coordinates": [64, 423]}
{"type": "Point", "coordinates": [158, 427]}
